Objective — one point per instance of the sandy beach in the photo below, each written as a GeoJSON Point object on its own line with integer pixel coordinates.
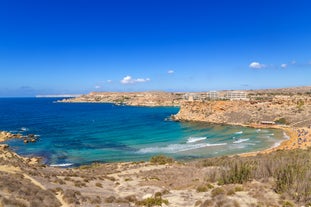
{"type": "Point", "coordinates": [298, 138]}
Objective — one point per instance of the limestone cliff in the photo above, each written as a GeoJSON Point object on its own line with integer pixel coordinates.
{"type": "Point", "coordinates": [295, 110]}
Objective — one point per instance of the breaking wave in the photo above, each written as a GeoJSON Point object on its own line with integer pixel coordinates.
{"type": "Point", "coordinates": [240, 141]}
{"type": "Point", "coordinates": [174, 148]}
{"type": "Point", "coordinates": [62, 165]}
{"type": "Point", "coordinates": [195, 139]}
{"type": "Point", "coordinates": [24, 129]}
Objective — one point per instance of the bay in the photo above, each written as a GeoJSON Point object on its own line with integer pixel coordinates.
{"type": "Point", "coordinates": [73, 134]}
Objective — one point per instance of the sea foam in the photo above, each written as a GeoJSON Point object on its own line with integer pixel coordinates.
{"type": "Point", "coordinates": [195, 139]}
{"type": "Point", "coordinates": [240, 141]}
{"type": "Point", "coordinates": [62, 165]}
{"type": "Point", "coordinates": [174, 148]}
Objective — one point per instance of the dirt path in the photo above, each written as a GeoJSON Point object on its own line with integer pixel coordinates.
{"type": "Point", "coordinates": [14, 170]}
{"type": "Point", "coordinates": [61, 200]}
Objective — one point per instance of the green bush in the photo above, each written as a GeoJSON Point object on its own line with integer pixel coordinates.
{"type": "Point", "coordinates": [202, 188]}
{"type": "Point", "coordinates": [156, 201]}
{"type": "Point", "coordinates": [161, 160]}
{"type": "Point", "coordinates": [218, 191]}
{"type": "Point", "coordinates": [281, 121]}
{"type": "Point", "coordinates": [239, 173]}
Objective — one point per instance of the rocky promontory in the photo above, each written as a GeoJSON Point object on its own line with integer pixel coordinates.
{"type": "Point", "coordinates": [289, 110]}
{"type": "Point", "coordinates": [130, 98]}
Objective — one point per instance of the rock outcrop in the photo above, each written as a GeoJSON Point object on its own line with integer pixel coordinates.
{"type": "Point", "coordinates": [295, 110]}
{"type": "Point", "coordinates": [5, 136]}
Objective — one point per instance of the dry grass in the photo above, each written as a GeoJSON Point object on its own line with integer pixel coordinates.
{"type": "Point", "coordinates": [15, 190]}
{"type": "Point", "coordinates": [290, 172]}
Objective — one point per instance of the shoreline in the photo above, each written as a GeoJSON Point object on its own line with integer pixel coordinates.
{"type": "Point", "coordinates": [294, 141]}
{"type": "Point", "coordinates": [127, 183]}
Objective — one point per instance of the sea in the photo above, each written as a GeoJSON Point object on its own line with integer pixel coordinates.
{"type": "Point", "coordinates": [74, 134]}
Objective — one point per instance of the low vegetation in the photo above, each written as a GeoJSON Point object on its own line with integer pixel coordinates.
{"type": "Point", "coordinates": [290, 172]}
{"type": "Point", "coordinates": [161, 160]}
{"type": "Point", "coordinates": [219, 182]}
{"type": "Point", "coordinates": [157, 200]}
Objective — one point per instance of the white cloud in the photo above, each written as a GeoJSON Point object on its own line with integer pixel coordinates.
{"type": "Point", "coordinates": [97, 87]}
{"type": "Point", "coordinates": [129, 80]}
{"type": "Point", "coordinates": [109, 81]}
{"type": "Point", "coordinates": [283, 65]}
{"type": "Point", "coordinates": [293, 62]}
{"type": "Point", "coordinates": [170, 72]}
{"type": "Point", "coordinates": [256, 65]}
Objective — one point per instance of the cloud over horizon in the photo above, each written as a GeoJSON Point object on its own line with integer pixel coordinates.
{"type": "Point", "coordinates": [129, 80]}
{"type": "Point", "coordinates": [170, 71]}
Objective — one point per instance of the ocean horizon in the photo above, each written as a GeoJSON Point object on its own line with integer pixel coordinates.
{"type": "Point", "coordinates": [73, 134]}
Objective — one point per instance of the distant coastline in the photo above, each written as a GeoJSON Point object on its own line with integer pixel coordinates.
{"type": "Point", "coordinates": [58, 96]}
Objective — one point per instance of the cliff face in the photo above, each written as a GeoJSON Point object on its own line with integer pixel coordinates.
{"type": "Point", "coordinates": [131, 99]}
{"type": "Point", "coordinates": [294, 110]}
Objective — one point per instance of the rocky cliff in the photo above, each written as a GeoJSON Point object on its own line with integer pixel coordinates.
{"type": "Point", "coordinates": [291, 110]}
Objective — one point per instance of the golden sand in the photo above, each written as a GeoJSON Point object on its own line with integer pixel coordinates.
{"type": "Point", "coordinates": [299, 138]}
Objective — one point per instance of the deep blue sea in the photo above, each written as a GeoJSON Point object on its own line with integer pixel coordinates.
{"type": "Point", "coordinates": [82, 133]}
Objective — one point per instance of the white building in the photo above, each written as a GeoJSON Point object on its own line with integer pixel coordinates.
{"type": "Point", "coordinates": [213, 95]}
{"type": "Point", "coordinates": [236, 95]}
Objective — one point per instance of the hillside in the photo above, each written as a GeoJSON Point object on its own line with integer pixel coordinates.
{"type": "Point", "coordinates": [290, 110]}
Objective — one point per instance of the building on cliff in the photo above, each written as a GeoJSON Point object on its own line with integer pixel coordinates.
{"type": "Point", "coordinates": [213, 95]}
{"type": "Point", "coordinates": [236, 95]}
{"type": "Point", "coordinates": [191, 96]}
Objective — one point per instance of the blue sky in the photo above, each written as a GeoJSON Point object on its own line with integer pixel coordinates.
{"type": "Point", "coordinates": [78, 46]}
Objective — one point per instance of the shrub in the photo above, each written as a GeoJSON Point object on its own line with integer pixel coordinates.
{"type": "Point", "coordinates": [287, 204]}
{"type": "Point", "coordinates": [202, 188]}
{"type": "Point", "coordinates": [156, 201]}
{"type": "Point", "coordinates": [218, 191]}
{"type": "Point", "coordinates": [284, 179]}
{"type": "Point", "coordinates": [131, 198]}
{"type": "Point", "coordinates": [239, 173]}
{"type": "Point", "coordinates": [281, 121]}
{"type": "Point", "coordinates": [110, 199]}
{"type": "Point", "coordinates": [99, 185]}
{"type": "Point", "coordinates": [161, 160]}
{"type": "Point", "coordinates": [238, 188]}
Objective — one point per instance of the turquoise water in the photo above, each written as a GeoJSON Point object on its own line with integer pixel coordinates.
{"type": "Point", "coordinates": [82, 133]}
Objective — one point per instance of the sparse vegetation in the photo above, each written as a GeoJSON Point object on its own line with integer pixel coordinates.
{"type": "Point", "coordinates": [285, 174]}
{"type": "Point", "coordinates": [289, 170]}
{"type": "Point", "coordinates": [218, 191]}
{"type": "Point", "coordinates": [204, 187]}
{"type": "Point", "coordinates": [152, 201]}
{"type": "Point", "coordinates": [161, 160]}
{"type": "Point", "coordinates": [281, 121]}
{"type": "Point", "coordinates": [99, 185]}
